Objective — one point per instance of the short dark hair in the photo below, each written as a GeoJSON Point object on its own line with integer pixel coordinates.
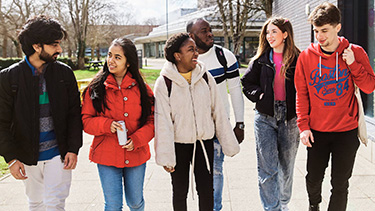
{"type": "Point", "coordinates": [173, 45]}
{"type": "Point", "coordinates": [40, 30]}
{"type": "Point", "coordinates": [190, 24]}
{"type": "Point", "coordinates": [325, 13]}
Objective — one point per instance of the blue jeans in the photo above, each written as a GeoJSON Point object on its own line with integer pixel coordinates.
{"type": "Point", "coordinates": [218, 175]}
{"type": "Point", "coordinates": [276, 146]}
{"type": "Point", "coordinates": [115, 180]}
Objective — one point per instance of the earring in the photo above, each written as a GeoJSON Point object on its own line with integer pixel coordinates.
{"type": "Point", "coordinates": [283, 40]}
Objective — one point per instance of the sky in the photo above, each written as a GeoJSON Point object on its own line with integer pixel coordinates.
{"type": "Point", "coordinates": [145, 9]}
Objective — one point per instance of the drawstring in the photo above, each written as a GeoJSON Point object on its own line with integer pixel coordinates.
{"type": "Point", "coordinates": [193, 164]}
{"type": "Point", "coordinates": [337, 66]}
{"type": "Point", "coordinates": [320, 66]}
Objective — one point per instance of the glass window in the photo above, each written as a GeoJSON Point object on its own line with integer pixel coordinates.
{"type": "Point", "coordinates": [161, 49]}
{"type": "Point", "coordinates": [150, 49]}
{"type": "Point", "coordinates": [251, 45]}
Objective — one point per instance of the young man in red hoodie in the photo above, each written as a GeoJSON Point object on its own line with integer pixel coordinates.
{"type": "Point", "coordinates": [327, 108]}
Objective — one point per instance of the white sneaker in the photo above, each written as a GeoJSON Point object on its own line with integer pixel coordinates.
{"type": "Point", "coordinates": [284, 207]}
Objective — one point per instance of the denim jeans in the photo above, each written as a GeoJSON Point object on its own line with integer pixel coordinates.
{"type": "Point", "coordinates": [115, 180]}
{"type": "Point", "coordinates": [276, 146]}
{"type": "Point", "coordinates": [218, 175]}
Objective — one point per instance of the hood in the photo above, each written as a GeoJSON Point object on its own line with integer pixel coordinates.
{"type": "Point", "coordinates": [315, 48]}
{"type": "Point", "coordinates": [170, 71]}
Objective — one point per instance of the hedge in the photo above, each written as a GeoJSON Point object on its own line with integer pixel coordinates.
{"type": "Point", "coordinates": [6, 62]}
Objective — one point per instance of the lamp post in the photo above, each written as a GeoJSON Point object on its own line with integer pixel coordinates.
{"type": "Point", "coordinates": [166, 15]}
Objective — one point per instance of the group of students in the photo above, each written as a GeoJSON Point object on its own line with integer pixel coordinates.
{"type": "Point", "coordinates": [307, 96]}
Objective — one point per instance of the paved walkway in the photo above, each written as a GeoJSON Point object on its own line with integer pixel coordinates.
{"type": "Point", "coordinates": [240, 188]}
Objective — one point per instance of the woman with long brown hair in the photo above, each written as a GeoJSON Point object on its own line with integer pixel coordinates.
{"type": "Point", "coordinates": [269, 82]}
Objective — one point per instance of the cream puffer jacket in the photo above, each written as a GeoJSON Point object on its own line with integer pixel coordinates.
{"type": "Point", "coordinates": [191, 112]}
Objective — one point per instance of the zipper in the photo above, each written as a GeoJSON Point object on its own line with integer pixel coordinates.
{"type": "Point", "coordinates": [35, 116]}
{"type": "Point", "coordinates": [273, 84]}
{"type": "Point", "coordinates": [194, 115]}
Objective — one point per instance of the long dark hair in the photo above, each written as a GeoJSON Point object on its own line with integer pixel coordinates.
{"type": "Point", "coordinates": [290, 52]}
{"type": "Point", "coordinates": [97, 89]}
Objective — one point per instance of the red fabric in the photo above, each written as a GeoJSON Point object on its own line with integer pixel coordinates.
{"type": "Point", "coordinates": [105, 149]}
{"type": "Point", "coordinates": [324, 104]}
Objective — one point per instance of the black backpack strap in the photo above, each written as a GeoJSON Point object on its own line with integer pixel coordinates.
{"type": "Point", "coordinates": [205, 77]}
{"type": "Point", "coordinates": [221, 57]}
{"type": "Point", "coordinates": [168, 83]}
{"type": "Point", "coordinates": [13, 82]}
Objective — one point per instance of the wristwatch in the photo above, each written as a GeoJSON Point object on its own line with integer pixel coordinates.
{"type": "Point", "coordinates": [241, 126]}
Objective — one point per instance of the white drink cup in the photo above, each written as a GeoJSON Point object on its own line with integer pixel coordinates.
{"type": "Point", "coordinates": [121, 135]}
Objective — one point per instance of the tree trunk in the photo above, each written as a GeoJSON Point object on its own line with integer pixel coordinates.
{"type": "Point", "coordinates": [81, 54]}
{"type": "Point", "coordinates": [98, 53]}
{"type": "Point", "coordinates": [92, 52]}
{"type": "Point", "coordinates": [220, 3]}
{"type": "Point", "coordinates": [268, 8]}
{"type": "Point", "coordinates": [18, 48]}
{"type": "Point", "coordinates": [5, 45]}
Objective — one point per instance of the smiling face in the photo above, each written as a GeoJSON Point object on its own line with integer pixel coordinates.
{"type": "Point", "coordinates": [116, 61]}
{"type": "Point", "coordinates": [327, 36]}
{"type": "Point", "coordinates": [275, 37]}
{"type": "Point", "coordinates": [202, 34]}
{"type": "Point", "coordinates": [186, 58]}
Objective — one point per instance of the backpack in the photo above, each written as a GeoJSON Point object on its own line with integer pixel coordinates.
{"type": "Point", "coordinates": [168, 82]}
{"type": "Point", "coordinates": [13, 82]}
{"type": "Point", "coordinates": [221, 57]}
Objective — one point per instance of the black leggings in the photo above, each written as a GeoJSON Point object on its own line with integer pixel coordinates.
{"type": "Point", "coordinates": [342, 147]}
{"type": "Point", "coordinates": [203, 178]}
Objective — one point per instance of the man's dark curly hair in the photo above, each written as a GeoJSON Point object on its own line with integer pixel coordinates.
{"type": "Point", "coordinates": [173, 45]}
{"type": "Point", "coordinates": [40, 30]}
{"type": "Point", "coordinates": [325, 13]}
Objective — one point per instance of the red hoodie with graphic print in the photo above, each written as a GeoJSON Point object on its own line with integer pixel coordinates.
{"type": "Point", "coordinates": [325, 92]}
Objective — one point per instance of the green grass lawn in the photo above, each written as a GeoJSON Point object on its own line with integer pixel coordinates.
{"type": "Point", "coordinates": [85, 74]}
{"type": "Point", "coordinates": [149, 74]}
{"type": "Point", "coordinates": [3, 167]}
{"type": "Point", "coordinates": [244, 65]}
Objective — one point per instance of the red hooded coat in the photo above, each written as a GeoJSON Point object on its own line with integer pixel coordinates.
{"type": "Point", "coordinates": [124, 104]}
{"type": "Point", "coordinates": [325, 92]}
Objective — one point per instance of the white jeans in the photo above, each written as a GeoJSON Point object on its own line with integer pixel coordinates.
{"type": "Point", "coordinates": [47, 185]}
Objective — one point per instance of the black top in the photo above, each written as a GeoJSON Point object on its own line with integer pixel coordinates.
{"type": "Point", "coordinates": [259, 79]}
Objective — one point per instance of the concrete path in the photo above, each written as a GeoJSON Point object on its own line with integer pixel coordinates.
{"type": "Point", "coordinates": [240, 188]}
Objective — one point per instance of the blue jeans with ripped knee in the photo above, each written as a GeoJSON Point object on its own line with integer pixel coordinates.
{"type": "Point", "coordinates": [218, 175]}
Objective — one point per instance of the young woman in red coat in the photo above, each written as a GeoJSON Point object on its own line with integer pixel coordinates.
{"type": "Point", "coordinates": [118, 93]}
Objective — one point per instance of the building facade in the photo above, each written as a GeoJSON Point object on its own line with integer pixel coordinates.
{"type": "Point", "coordinates": [153, 44]}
